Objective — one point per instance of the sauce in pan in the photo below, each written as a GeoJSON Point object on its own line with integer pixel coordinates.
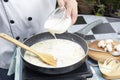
{"type": "Point", "coordinates": [65, 51]}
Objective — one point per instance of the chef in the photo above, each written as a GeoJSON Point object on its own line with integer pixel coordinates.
{"type": "Point", "coordinates": [21, 19]}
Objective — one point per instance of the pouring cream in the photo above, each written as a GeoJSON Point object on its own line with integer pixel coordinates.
{"type": "Point", "coordinates": [57, 26]}
{"type": "Point", "coordinates": [57, 22]}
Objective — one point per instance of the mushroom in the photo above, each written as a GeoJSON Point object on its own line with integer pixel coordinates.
{"type": "Point", "coordinates": [109, 47]}
{"type": "Point", "coordinates": [109, 41]}
{"type": "Point", "coordinates": [101, 44]}
{"type": "Point", "coordinates": [117, 47]}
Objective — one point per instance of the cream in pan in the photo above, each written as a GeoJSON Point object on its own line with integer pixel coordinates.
{"type": "Point", "coordinates": [65, 51]}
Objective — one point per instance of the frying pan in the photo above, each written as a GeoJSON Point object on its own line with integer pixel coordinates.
{"type": "Point", "coordinates": [77, 37]}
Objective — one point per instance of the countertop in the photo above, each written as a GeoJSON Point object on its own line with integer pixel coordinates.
{"type": "Point", "coordinates": [109, 29]}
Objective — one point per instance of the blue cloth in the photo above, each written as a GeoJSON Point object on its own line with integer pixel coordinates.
{"type": "Point", "coordinates": [15, 66]}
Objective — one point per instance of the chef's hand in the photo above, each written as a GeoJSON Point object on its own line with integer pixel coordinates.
{"type": "Point", "coordinates": [71, 6]}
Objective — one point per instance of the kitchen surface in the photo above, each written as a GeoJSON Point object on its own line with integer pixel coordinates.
{"type": "Point", "coordinates": [109, 29]}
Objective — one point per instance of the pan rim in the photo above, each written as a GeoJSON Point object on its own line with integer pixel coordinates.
{"type": "Point", "coordinates": [86, 53]}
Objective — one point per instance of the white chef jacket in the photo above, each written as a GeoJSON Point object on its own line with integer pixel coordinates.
{"type": "Point", "coordinates": [21, 19]}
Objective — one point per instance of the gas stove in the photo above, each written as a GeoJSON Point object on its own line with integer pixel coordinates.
{"type": "Point", "coordinates": [81, 73]}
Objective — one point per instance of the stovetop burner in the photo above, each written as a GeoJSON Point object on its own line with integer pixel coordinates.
{"type": "Point", "coordinates": [80, 73]}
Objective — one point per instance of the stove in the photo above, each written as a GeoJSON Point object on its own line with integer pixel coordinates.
{"type": "Point", "coordinates": [81, 73]}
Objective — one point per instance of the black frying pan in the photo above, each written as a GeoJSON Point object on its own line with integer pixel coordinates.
{"type": "Point", "coordinates": [68, 36]}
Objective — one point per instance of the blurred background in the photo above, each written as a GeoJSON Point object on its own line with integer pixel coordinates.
{"type": "Point", "coordinates": [110, 8]}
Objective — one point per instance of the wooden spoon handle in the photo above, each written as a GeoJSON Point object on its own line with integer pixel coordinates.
{"type": "Point", "coordinates": [5, 36]}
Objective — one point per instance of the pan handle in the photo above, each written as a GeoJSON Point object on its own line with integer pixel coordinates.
{"type": "Point", "coordinates": [82, 32]}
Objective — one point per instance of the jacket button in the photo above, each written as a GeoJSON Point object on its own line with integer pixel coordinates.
{"type": "Point", "coordinates": [12, 21]}
{"type": "Point", "coordinates": [29, 18]}
{"type": "Point", "coordinates": [17, 38]}
{"type": "Point", "coordinates": [5, 0]}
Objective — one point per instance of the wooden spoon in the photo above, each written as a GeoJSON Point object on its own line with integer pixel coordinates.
{"type": "Point", "coordinates": [47, 58]}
